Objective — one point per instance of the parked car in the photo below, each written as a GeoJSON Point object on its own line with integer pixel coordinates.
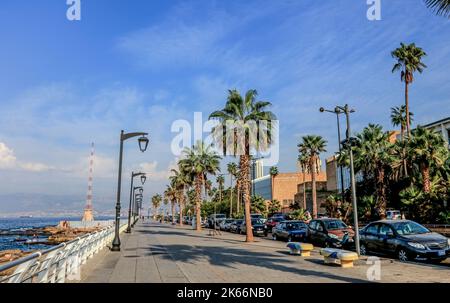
{"type": "Point", "coordinates": [291, 231]}
{"type": "Point", "coordinates": [405, 239]}
{"type": "Point", "coordinates": [278, 214]}
{"type": "Point", "coordinates": [215, 219]}
{"type": "Point", "coordinates": [225, 224]}
{"type": "Point", "coordinates": [393, 215]}
{"type": "Point", "coordinates": [236, 225]}
{"type": "Point", "coordinates": [272, 222]}
{"type": "Point", "coordinates": [330, 232]}
{"type": "Point", "coordinates": [258, 216]}
{"type": "Point", "coordinates": [257, 227]}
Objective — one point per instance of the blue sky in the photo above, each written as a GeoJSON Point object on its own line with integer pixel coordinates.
{"type": "Point", "coordinates": [140, 65]}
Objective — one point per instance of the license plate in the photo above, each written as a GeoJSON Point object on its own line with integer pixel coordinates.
{"type": "Point", "coordinates": [441, 253]}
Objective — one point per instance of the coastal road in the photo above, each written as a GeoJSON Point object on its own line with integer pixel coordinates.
{"type": "Point", "coordinates": [156, 252]}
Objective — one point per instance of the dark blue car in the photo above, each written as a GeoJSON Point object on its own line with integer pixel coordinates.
{"type": "Point", "coordinates": [290, 231]}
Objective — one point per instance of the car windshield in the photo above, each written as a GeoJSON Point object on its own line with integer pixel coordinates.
{"type": "Point", "coordinates": [335, 224]}
{"type": "Point", "coordinates": [220, 216]}
{"type": "Point", "coordinates": [257, 221]}
{"type": "Point", "coordinates": [295, 226]}
{"type": "Point", "coordinates": [229, 221]}
{"type": "Point", "coordinates": [409, 228]}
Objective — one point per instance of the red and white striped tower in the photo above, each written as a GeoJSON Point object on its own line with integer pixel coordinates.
{"type": "Point", "coordinates": [88, 211]}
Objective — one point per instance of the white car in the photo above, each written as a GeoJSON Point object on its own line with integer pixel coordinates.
{"type": "Point", "coordinates": [393, 215]}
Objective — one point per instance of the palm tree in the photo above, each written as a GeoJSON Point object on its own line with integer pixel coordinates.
{"type": "Point", "coordinates": [441, 7]}
{"type": "Point", "coordinates": [242, 111]}
{"type": "Point", "coordinates": [303, 162]}
{"type": "Point", "coordinates": [170, 194]}
{"type": "Point", "coordinates": [274, 206]}
{"type": "Point", "coordinates": [398, 118]}
{"type": "Point", "coordinates": [273, 173]}
{"type": "Point", "coordinates": [198, 162]}
{"type": "Point", "coordinates": [232, 170]}
{"type": "Point", "coordinates": [373, 157]}
{"type": "Point", "coordinates": [427, 148]}
{"type": "Point", "coordinates": [156, 201]}
{"type": "Point", "coordinates": [220, 181]}
{"type": "Point", "coordinates": [181, 182]}
{"type": "Point", "coordinates": [312, 146]}
{"type": "Point", "coordinates": [408, 62]}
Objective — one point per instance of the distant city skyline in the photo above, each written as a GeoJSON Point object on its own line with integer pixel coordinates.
{"type": "Point", "coordinates": [65, 84]}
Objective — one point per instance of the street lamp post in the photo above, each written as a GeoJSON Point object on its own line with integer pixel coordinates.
{"type": "Point", "coordinates": [337, 111]}
{"type": "Point", "coordinates": [348, 144]}
{"type": "Point", "coordinates": [131, 197]}
{"type": "Point", "coordinates": [141, 190]}
{"type": "Point", "coordinates": [143, 143]}
{"type": "Point", "coordinates": [347, 112]}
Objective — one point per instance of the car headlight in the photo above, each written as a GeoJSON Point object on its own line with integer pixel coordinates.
{"type": "Point", "coordinates": [416, 245]}
{"type": "Point", "coordinates": [333, 236]}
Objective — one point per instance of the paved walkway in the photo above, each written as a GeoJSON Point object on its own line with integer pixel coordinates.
{"type": "Point", "coordinates": [163, 253]}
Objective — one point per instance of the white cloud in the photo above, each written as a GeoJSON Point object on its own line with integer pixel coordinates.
{"type": "Point", "coordinates": [7, 158]}
{"type": "Point", "coordinates": [151, 169]}
{"type": "Point", "coordinates": [9, 161]}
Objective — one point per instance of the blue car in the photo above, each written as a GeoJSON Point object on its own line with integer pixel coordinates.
{"type": "Point", "coordinates": [290, 231]}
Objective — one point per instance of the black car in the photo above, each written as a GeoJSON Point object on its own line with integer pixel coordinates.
{"type": "Point", "coordinates": [405, 239]}
{"type": "Point", "coordinates": [290, 231]}
{"type": "Point", "coordinates": [258, 227]}
{"type": "Point", "coordinates": [236, 225]}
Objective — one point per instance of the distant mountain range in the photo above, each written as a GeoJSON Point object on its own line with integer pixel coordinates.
{"type": "Point", "coordinates": [23, 204]}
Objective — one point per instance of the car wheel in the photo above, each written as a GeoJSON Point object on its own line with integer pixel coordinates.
{"type": "Point", "coordinates": [363, 250]}
{"type": "Point", "coordinates": [327, 244]}
{"type": "Point", "coordinates": [402, 255]}
{"type": "Point", "coordinates": [274, 237]}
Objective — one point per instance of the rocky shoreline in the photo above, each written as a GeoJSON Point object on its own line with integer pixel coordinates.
{"type": "Point", "coordinates": [50, 235]}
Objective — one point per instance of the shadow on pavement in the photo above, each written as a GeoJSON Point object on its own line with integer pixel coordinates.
{"type": "Point", "coordinates": [233, 257]}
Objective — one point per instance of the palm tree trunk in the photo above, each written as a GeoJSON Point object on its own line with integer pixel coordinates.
{"type": "Point", "coordinates": [181, 209]}
{"type": "Point", "coordinates": [304, 189]}
{"type": "Point", "coordinates": [407, 106]}
{"type": "Point", "coordinates": [425, 169]}
{"type": "Point", "coordinates": [246, 191]}
{"type": "Point", "coordinates": [231, 195]}
{"type": "Point", "coordinates": [238, 197]}
{"type": "Point", "coordinates": [198, 197]}
{"type": "Point", "coordinates": [381, 194]}
{"type": "Point", "coordinates": [173, 212]}
{"type": "Point", "coordinates": [314, 193]}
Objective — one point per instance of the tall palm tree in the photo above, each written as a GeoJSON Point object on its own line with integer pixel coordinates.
{"type": "Point", "coordinates": [170, 194]}
{"type": "Point", "coordinates": [398, 118]}
{"type": "Point", "coordinates": [232, 170]}
{"type": "Point", "coordinates": [156, 201]}
{"type": "Point", "coordinates": [273, 173]}
{"type": "Point", "coordinates": [441, 7]}
{"type": "Point", "coordinates": [220, 181]}
{"type": "Point", "coordinates": [409, 61]}
{"type": "Point", "coordinates": [312, 146]}
{"type": "Point", "coordinates": [303, 162]}
{"type": "Point", "coordinates": [373, 156]}
{"type": "Point", "coordinates": [198, 162]}
{"type": "Point", "coordinates": [242, 111]}
{"type": "Point", "coordinates": [181, 183]}
{"type": "Point", "coordinates": [427, 148]}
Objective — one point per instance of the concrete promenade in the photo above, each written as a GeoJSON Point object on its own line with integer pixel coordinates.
{"type": "Point", "coordinates": [156, 252]}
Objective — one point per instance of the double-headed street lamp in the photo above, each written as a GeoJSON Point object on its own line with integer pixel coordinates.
{"type": "Point", "coordinates": [143, 178]}
{"type": "Point", "coordinates": [143, 143]}
{"type": "Point", "coordinates": [347, 143]}
{"type": "Point", "coordinates": [337, 112]}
